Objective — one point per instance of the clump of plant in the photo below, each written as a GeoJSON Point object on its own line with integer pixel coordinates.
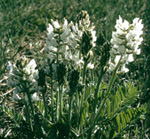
{"type": "Point", "coordinates": [61, 93]}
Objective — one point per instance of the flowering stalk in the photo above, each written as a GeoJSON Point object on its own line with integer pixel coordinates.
{"type": "Point", "coordinates": [102, 72]}
{"type": "Point", "coordinates": [43, 88]}
{"type": "Point", "coordinates": [61, 101]}
{"type": "Point", "coordinates": [70, 110]}
{"type": "Point", "coordinates": [57, 105]}
{"type": "Point", "coordinates": [30, 103]}
{"type": "Point", "coordinates": [44, 101]}
{"type": "Point", "coordinates": [113, 77]}
{"type": "Point", "coordinates": [52, 102]}
{"type": "Point", "coordinates": [87, 43]}
{"type": "Point", "coordinates": [84, 71]}
{"type": "Point", "coordinates": [73, 80]}
{"type": "Point", "coordinates": [84, 83]}
{"type": "Point", "coordinates": [28, 115]}
{"type": "Point", "coordinates": [125, 42]}
{"type": "Point", "coordinates": [22, 77]}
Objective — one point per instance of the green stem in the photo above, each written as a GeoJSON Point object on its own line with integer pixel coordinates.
{"type": "Point", "coordinates": [81, 112]}
{"type": "Point", "coordinates": [57, 105]}
{"type": "Point", "coordinates": [84, 70]}
{"type": "Point", "coordinates": [30, 103]}
{"type": "Point", "coordinates": [70, 111]}
{"type": "Point", "coordinates": [113, 77]}
{"type": "Point", "coordinates": [52, 102]}
{"type": "Point", "coordinates": [84, 93]}
{"type": "Point", "coordinates": [61, 101]}
{"type": "Point", "coordinates": [83, 96]}
{"type": "Point", "coordinates": [44, 101]}
{"type": "Point", "coordinates": [97, 87]}
{"type": "Point", "coordinates": [28, 116]}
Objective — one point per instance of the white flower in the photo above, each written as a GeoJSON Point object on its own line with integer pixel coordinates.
{"type": "Point", "coordinates": [124, 69]}
{"type": "Point", "coordinates": [31, 71]}
{"type": "Point", "coordinates": [130, 58]}
{"type": "Point", "coordinates": [55, 24]}
{"type": "Point", "coordinates": [30, 67]}
{"type": "Point", "coordinates": [75, 57]}
{"type": "Point", "coordinates": [121, 26]}
{"type": "Point", "coordinates": [35, 97]}
{"type": "Point", "coordinates": [117, 58]}
{"type": "Point", "coordinates": [125, 42]}
{"type": "Point", "coordinates": [138, 26]}
{"type": "Point", "coordinates": [51, 48]}
{"type": "Point", "coordinates": [23, 71]}
{"type": "Point", "coordinates": [10, 67]}
{"type": "Point", "coordinates": [113, 61]}
{"type": "Point", "coordinates": [90, 66]}
{"type": "Point", "coordinates": [94, 38]}
{"type": "Point", "coordinates": [12, 78]}
{"type": "Point", "coordinates": [50, 29]}
{"type": "Point", "coordinates": [64, 41]}
{"type": "Point", "coordinates": [137, 51]}
{"type": "Point", "coordinates": [111, 66]}
{"type": "Point", "coordinates": [127, 34]}
{"type": "Point", "coordinates": [66, 31]}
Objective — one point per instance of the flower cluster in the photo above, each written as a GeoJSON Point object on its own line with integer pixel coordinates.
{"type": "Point", "coordinates": [125, 43]}
{"type": "Point", "coordinates": [86, 37]}
{"type": "Point", "coordinates": [58, 40]}
{"type": "Point", "coordinates": [61, 46]}
{"type": "Point", "coordinates": [86, 26]}
{"type": "Point", "coordinates": [66, 41]}
{"type": "Point", "coordinates": [22, 76]}
{"type": "Point", "coordinates": [31, 71]}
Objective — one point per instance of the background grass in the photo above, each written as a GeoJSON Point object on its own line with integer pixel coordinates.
{"type": "Point", "coordinates": [25, 21]}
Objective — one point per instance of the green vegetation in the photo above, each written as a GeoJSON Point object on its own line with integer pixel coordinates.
{"type": "Point", "coordinates": [63, 98]}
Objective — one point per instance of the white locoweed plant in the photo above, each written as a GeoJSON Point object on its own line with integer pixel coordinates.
{"type": "Point", "coordinates": [63, 99]}
{"type": "Point", "coordinates": [23, 77]}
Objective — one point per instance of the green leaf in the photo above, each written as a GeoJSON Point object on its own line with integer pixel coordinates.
{"type": "Point", "coordinates": [39, 104]}
{"type": "Point", "coordinates": [123, 122]}
{"type": "Point", "coordinates": [108, 108]}
{"type": "Point", "coordinates": [16, 117]}
{"type": "Point", "coordinates": [118, 122]}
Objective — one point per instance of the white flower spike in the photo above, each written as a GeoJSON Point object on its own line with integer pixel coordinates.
{"type": "Point", "coordinates": [125, 42]}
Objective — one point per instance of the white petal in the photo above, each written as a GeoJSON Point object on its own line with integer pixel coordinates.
{"type": "Point", "coordinates": [35, 97]}
{"type": "Point", "coordinates": [56, 24]}
{"type": "Point", "coordinates": [117, 58]}
{"type": "Point", "coordinates": [124, 69]}
{"type": "Point", "coordinates": [130, 58]}
{"type": "Point", "coordinates": [90, 66]}
{"type": "Point", "coordinates": [50, 29]}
